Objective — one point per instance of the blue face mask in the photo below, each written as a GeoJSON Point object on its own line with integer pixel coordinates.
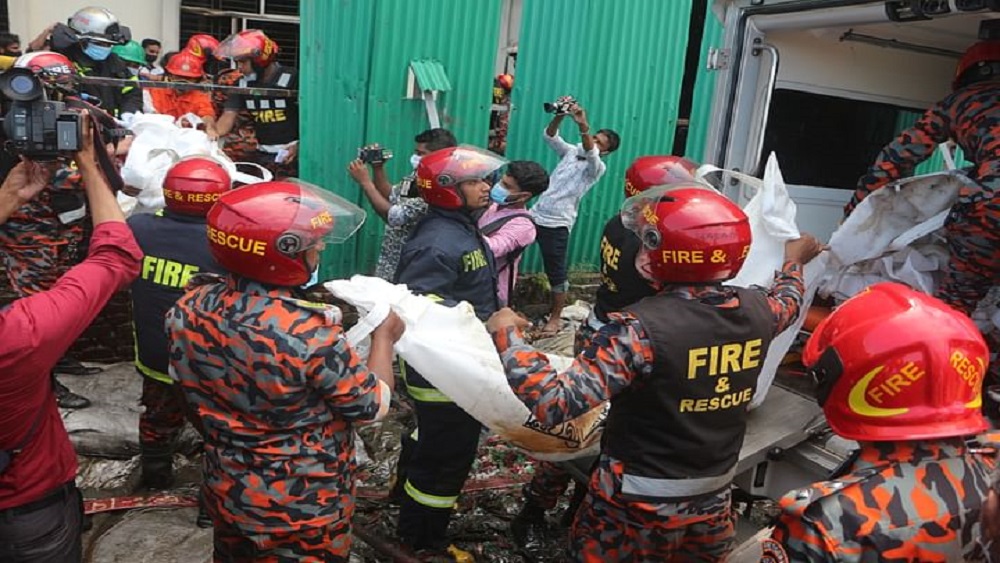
{"type": "Point", "coordinates": [97, 52]}
{"type": "Point", "coordinates": [499, 194]}
{"type": "Point", "coordinates": [414, 160]}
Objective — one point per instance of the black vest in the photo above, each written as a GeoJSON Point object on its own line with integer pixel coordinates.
{"type": "Point", "coordinates": [175, 248]}
{"type": "Point", "coordinates": [687, 418]}
{"type": "Point", "coordinates": [621, 284]}
{"type": "Point", "coordinates": [276, 120]}
{"type": "Point", "coordinates": [464, 268]}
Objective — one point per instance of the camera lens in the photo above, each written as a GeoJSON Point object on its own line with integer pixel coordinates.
{"type": "Point", "coordinates": [22, 84]}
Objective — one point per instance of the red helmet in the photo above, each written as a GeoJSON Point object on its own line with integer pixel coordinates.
{"type": "Point", "coordinates": [974, 66]}
{"type": "Point", "coordinates": [194, 184]}
{"type": "Point", "coordinates": [262, 231]}
{"type": "Point", "coordinates": [202, 45]}
{"type": "Point", "coordinates": [649, 171]}
{"type": "Point", "coordinates": [51, 67]}
{"type": "Point", "coordinates": [186, 65]}
{"type": "Point", "coordinates": [248, 44]}
{"type": "Point", "coordinates": [440, 173]}
{"type": "Point", "coordinates": [690, 233]}
{"type": "Point", "coordinates": [892, 363]}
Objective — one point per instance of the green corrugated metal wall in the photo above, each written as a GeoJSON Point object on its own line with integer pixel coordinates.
{"type": "Point", "coordinates": [624, 61]}
{"type": "Point", "coordinates": [355, 55]}
{"type": "Point", "coordinates": [704, 88]}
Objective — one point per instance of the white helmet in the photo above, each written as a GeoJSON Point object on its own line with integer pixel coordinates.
{"type": "Point", "coordinates": [99, 25]}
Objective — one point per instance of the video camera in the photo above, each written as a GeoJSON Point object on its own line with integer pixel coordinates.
{"type": "Point", "coordinates": [374, 154]}
{"type": "Point", "coordinates": [562, 105]}
{"type": "Point", "coordinates": [38, 128]}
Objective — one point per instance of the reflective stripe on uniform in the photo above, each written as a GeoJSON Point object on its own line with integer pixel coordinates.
{"type": "Point", "coordinates": [425, 499]}
{"type": "Point", "coordinates": [427, 394]}
{"type": "Point", "coordinates": [127, 89]}
{"type": "Point", "coordinates": [152, 373]}
{"type": "Point", "coordinates": [653, 487]}
{"type": "Point", "coordinates": [144, 369]}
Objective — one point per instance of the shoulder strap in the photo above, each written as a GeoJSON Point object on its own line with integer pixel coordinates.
{"type": "Point", "coordinates": [494, 226]}
{"type": "Point", "coordinates": [31, 433]}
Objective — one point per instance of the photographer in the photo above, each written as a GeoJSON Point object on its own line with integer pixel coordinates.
{"type": "Point", "coordinates": [40, 507]}
{"type": "Point", "coordinates": [578, 170]}
{"type": "Point", "coordinates": [398, 205]}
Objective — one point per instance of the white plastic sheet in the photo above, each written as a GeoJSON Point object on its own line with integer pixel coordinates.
{"type": "Point", "coordinates": [159, 142]}
{"type": "Point", "coordinates": [450, 347]}
{"type": "Point", "coordinates": [772, 223]}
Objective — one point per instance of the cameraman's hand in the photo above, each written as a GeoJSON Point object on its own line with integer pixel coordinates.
{"type": "Point", "coordinates": [359, 171]}
{"type": "Point", "coordinates": [87, 155]}
{"type": "Point", "coordinates": [579, 115]}
{"type": "Point", "coordinates": [26, 179]}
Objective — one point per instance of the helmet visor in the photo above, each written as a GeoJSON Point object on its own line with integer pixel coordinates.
{"type": "Point", "coordinates": [471, 163]}
{"type": "Point", "coordinates": [636, 210]}
{"type": "Point", "coordinates": [237, 47]}
{"type": "Point", "coordinates": [320, 215]}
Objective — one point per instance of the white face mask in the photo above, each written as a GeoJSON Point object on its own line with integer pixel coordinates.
{"type": "Point", "coordinates": [313, 279]}
{"type": "Point", "coordinates": [414, 160]}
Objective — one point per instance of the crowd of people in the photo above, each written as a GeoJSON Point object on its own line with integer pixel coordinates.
{"type": "Point", "coordinates": [227, 340]}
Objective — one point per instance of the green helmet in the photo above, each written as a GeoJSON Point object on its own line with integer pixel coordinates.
{"type": "Point", "coordinates": [131, 52]}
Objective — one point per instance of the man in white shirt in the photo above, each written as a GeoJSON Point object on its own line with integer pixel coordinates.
{"type": "Point", "coordinates": [578, 170]}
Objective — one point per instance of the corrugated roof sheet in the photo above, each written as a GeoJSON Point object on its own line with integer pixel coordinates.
{"type": "Point", "coordinates": [430, 75]}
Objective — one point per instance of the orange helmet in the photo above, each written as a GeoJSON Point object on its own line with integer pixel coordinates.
{"type": "Point", "coordinates": [649, 171]}
{"type": "Point", "coordinates": [892, 363]}
{"type": "Point", "coordinates": [202, 45]}
{"type": "Point", "coordinates": [262, 231]}
{"type": "Point", "coordinates": [186, 65]}
{"type": "Point", "coordinates": [690, 233]}
{"type": "Point", "coordinates": [505, 81]}
{"type": "Point", "coordinates": [440, 173]}
{"type": "Point", "coordinates": [194, 184]}
{"type": "Point", "coordinates": [250, 44]}
{"type": "Point", "coordinates": [975, 64]}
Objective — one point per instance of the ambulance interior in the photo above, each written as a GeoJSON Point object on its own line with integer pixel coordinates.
{"type": "Point", "coordinates": [848, 80]}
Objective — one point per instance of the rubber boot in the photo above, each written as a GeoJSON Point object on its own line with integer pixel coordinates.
{"type": "Point", "coordinates": [71, 366]}
{"type": "Point", "coordinates": [203, 520]}
{"type": "Point", "coordinates": [579, 493]}
{"type": "Point", "coordinates": [529, 528]}
{"type": "Point", "coordinates": [67, 399]}
{"type": "Point", "coordinates": [157, 467]}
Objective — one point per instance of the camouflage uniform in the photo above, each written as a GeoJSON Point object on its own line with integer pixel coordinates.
{"type": "Point", "coordinates": [620, 286]}
{"type": "Point", "coordinates": [278, 390]}
{"type": "Point", "coordinates": [971, 117]}
{"type": "Point", "coordinates": [898, 501]}
{"type": "Point", "coordinates": [611, 526]}
{"type": "Point", "coordinates": [240, 144]}
{"type": "Point", "coordinates": [37, 247]}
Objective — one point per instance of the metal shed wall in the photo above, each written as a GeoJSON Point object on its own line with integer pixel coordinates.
{"type": "Point", "coordinates": [624, 61]}
{"type": "Point", "coordinates": [355, 56]}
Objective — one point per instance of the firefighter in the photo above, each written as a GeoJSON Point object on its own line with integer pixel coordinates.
{"type": "Point", "coordinates": [970, 117]}
{"type": "Point", "coordinates": [185, 67]}
{"type": "Point", "coordinates": [276, 120]}
{"type": "Point", "coordinates": [621, 285]}
{"type": "Point", "coordinates": [900, 372]}
{"type": "Point", "coordinates": [88, 41]}
{"type": "Point", "coordinates": [45, 237]}
{"type": "Point", "coordinates": [204, 47]}
{"type": "Point", "coordinates": [273, 379]}
{"type": "Point", "coordinates": [679, 368]}
{"type": "Point", "coordinates": [176, 247]}
{"type": "Point", "coordinates": [447, 260]}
